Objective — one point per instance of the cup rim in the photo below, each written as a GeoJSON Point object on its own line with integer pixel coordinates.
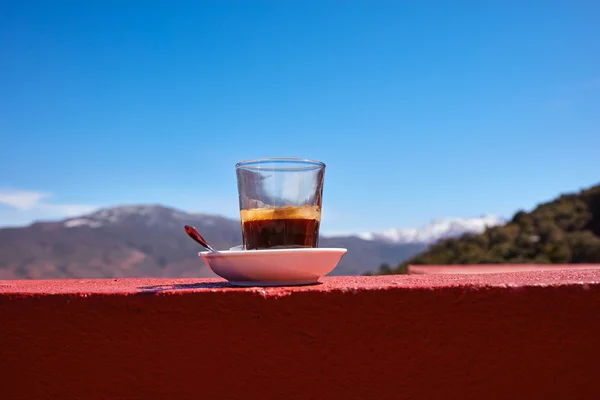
{"type": "Point", "coordinates": [257, 164]}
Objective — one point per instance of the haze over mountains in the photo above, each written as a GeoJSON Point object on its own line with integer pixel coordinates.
{"type": "Point", "coordinates": [148, 240]}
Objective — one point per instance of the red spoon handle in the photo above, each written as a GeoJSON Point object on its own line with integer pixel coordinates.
{"type": "Point", "coordinates": [194, 234]}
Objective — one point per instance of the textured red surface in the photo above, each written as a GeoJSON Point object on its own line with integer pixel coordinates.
{"type": "Point", "coordinates": [517, 335]}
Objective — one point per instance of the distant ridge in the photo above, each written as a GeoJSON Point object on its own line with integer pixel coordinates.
{"type": "Point", "coordinates": [434, 231]}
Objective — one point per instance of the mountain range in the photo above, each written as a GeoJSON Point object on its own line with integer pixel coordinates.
{"type": "Point", "coordinates": [149, 241]}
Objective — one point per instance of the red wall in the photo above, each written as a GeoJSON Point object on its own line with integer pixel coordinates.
{"type": "Point", "coordinates": [525, 335]}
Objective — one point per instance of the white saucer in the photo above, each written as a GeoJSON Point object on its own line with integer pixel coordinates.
{"type": "Point", "coordinates": [273, 267]}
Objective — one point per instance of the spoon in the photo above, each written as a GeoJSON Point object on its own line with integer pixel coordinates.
{"type": "Point", "coordinates": [194, 234]}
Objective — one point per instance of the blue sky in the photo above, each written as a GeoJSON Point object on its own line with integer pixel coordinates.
{"type": "Point", "coordinates": [420, 110]}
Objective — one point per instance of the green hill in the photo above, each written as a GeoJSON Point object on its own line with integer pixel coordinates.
{"type": "Point", "coordinates": [565, 230]}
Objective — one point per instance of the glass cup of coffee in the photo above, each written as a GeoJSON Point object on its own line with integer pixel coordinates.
{"type": "Point", "coordinates": [280, 202]}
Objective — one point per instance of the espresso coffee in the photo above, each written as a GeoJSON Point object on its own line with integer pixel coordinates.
{"type": "Point", "coordinates": [285, 227]}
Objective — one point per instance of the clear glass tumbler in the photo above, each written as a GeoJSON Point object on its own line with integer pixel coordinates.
{"type": "Point", "coordinates": [280, 202]}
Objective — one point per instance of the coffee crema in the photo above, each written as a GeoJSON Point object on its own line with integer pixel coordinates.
{"type": "Point", "coordinates": [285, 227]}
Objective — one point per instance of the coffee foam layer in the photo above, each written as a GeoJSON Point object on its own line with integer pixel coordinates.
{"type": "Point", "coordinates": [265, 214]}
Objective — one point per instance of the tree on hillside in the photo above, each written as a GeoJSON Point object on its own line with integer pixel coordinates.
{"type": "Point", "coordinates": [565, 230]}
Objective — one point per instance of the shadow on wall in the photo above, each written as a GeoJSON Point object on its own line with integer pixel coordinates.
{"type": "Point", "coordinates": [207, 285]}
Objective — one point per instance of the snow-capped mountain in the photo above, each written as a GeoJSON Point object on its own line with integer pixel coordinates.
{"type": "Point", "coordinates": [154, 215]}
{"type": "Point", "coordinates": [149, 215]}
{"type": "Point", "coordinates": [434, 231]}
